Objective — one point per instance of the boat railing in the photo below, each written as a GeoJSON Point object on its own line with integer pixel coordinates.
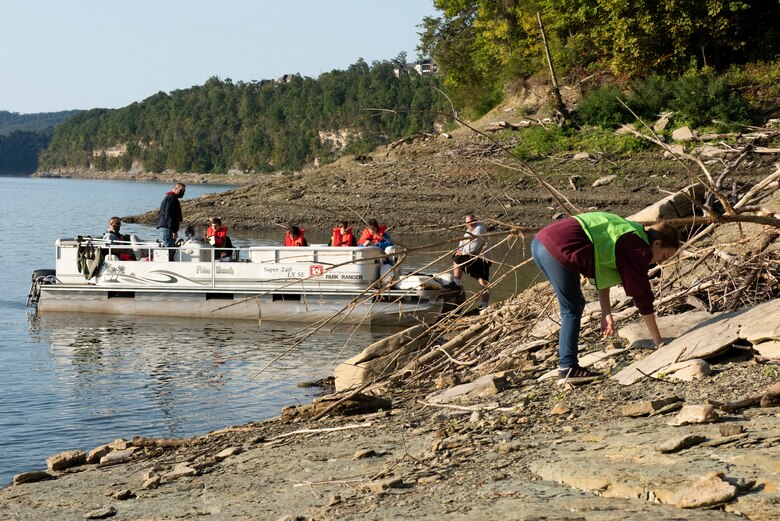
{"type": "Point", "coordinates": [318, 263]}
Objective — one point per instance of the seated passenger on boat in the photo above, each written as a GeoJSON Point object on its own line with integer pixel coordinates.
{"type": "Point", "coordinates": [113, 236]}
{"type": "Point", "coordinates": [342, 235]}
{"type": "Point", "coordinates": [375, 234]}
{"type": "Point", "coordinates": [216, 235]}
{"type": "Point", "coordinates": [294, 237]}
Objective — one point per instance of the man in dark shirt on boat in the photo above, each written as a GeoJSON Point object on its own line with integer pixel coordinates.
{"type": "Point", "coordinates": [170, 216]}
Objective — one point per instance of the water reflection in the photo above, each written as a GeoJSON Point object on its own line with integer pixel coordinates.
{"type": "Point", "coordinates": [169, 376]}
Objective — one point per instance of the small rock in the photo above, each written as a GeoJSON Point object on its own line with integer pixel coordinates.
{"type": "Point", "coordinates": [64, 460]}
{"type": "Point", "coordinates": [123, 494]}
{"type": "Point", "coordinates": [579, 156]}
{"type": "Point", "coordinates": [32, 477]}
{"type": "Point", "coordinates": [230, 451]}
{"type": "Point", "coordinates": [688, 371]}
{"type": "Point", "coordinates": [604, 180]}
{"type": "Point", "coordinates": [662, 122]}
{"type": "Point", "coordinates": [559, 409]}
{"type": "Point", "coordinates": [363, 454]}
{"type": "Point", "coordinates": [684, 442]}
{"type": "Point", "coordinates": [772, 397]}
{"type": "Point", "coordinates": [120, 444]}
{"type": "Point", "coordinates": [152, 482]}
{"type": "Point", "coordinates": [694, 414]}
{"type": "Point", "coordinates": [333, 501]}
{"type": "Point", "coordinates": [682, 134]}
{"type": "Point", "coordinates": [647, 407]}
{"type": "Point", "coordinates": [180, 472]}
{"type": "Point", "coordinates": [730, 429]}
{"type": "Point", "coordinates": [475, 417]}
{"type": "Point", "coordinates": [674, 151]}
{"type": "Point", "coordinates": [101, 513]}
{"type": "Point", "coordinates": [382, 486]}
{"type": "Point", "coordinates": [710, 490]}
{"type": "Point", "coordinates": [118, 456]}
{"type": "Point", "coordinates": [97, 453]}
{"type": "Point", "coordinates": [509, 446]}
{"type": "Point", "coordinates": [445, 381]}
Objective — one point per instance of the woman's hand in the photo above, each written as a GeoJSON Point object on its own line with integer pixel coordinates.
{"type": "Point", "coordinates": [607, 324]}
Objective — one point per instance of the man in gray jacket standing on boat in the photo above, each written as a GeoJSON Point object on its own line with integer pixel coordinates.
{"type": "Point", "coordinates": [170, 216]}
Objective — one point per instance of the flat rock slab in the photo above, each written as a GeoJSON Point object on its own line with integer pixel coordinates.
{"type": "Point", "coordinates": [613, 461]}
{"type": "Point", "coordinates": [757, 324]}
{"type": "Point", "coordinates": [677, 205]}
{"type": "Point", "coordinates": [488, 385]}
{"type": "Point", "coordinates": [671, 326]}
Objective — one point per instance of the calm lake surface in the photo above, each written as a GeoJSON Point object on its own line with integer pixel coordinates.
{"type": "Point", "coordinates": [77, 381]}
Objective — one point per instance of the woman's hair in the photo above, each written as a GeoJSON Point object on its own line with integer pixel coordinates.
{"type": "Point", "coordinates": [373, 224]}
{"type": "Point", "coordinates": [216, 220]}
{"type": "Point", "coordinates": [295, 231]}
{"type": "Point", "coordinates": [666, 233]}
{"type": "Point", "coordinates": [343, 224]}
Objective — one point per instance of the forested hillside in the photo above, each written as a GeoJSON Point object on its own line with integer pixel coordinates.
{"type": "Point", "coordinates": [13, 121]}
{"type": "Point", "coordinates": [483, 46]}
{"type": "Point", "coordinates": [19, 151]}
{"type": "Point", "coordinates": [254, 127]}
{"type": "Point", "coordinates": [24, 136]}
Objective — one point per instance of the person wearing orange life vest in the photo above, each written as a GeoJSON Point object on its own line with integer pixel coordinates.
{"type": "Point", "coordinates": [375, 235]}
{"type": "Point", "coordinates": [294, 237]}
{"type": "Point", "coordinates": [216, 233]}
{"type": "Point", "coordinates": [342, 235]}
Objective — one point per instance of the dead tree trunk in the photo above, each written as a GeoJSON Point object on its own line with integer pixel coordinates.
{"type": "Point", "coordinates": [557, 100]}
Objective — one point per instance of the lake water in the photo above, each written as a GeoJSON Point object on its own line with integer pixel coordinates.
{"type": "Point", "coordinates": [77, 381]}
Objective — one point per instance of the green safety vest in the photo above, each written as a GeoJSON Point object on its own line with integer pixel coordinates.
{"type": "Point", "coordinates": [604, 229]}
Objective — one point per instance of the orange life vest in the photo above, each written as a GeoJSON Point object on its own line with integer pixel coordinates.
{"type": "Point", "coordinates": [368, 237]}
{"type": "Point", "coordinates": [298, 241]}
{"type": "Point", "coordinates": [219, 233]}
{"type": "Point", "coordinates": [342, 239]}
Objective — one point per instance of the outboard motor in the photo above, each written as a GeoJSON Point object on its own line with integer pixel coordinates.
{"type": "Point", "coordinates": [39, 278]}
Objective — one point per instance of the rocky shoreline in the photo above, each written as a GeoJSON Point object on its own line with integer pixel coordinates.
{"type": "Point", "coordinates": [602, 452]}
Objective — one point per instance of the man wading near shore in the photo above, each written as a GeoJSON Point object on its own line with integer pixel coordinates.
{"type": "Point", "coordinates": [608, 250]}
{"type": "Point", "coordinates": [170, 216]}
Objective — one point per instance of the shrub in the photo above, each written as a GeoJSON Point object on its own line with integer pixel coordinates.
{"type": "Point", "coordinates": [700, 98]}
{"type": "Point", "coordinates": [649, 97]}
{"type": "Point", "coordinates": [601, 107]}
{"type": "Point", "coordinates": [537, 142]}
{"type": "Point", "coordinates": [609, 143]}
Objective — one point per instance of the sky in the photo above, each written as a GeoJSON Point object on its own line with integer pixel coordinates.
{"type": "Point", "coordinates": [82, 54]}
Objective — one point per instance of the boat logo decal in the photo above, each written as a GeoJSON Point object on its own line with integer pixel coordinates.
{"type": "Point", "coordinates": [316, 270]}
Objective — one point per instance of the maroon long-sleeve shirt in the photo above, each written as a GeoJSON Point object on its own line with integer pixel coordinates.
{"type": "Point", "coordinates": [568, 244]}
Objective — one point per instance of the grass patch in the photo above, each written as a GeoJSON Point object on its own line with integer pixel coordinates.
{"type": "Point", "coordinates": [540, 142]}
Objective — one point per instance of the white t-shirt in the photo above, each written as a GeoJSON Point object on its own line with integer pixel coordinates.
{"type": "Point", "coordinates": [473, 244]}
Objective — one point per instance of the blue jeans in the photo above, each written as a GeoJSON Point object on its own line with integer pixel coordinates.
{"type": "Point", "coordinates": [567, 288]}
{"type": "Point", "coordinates": [166, 237]}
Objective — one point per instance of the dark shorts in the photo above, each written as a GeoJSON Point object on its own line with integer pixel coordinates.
{"type": "Point", "coordinates": [477, 267]}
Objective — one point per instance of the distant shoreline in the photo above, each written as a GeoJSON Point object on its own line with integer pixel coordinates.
{"type": "Point", "coordinates": [188, 178]}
